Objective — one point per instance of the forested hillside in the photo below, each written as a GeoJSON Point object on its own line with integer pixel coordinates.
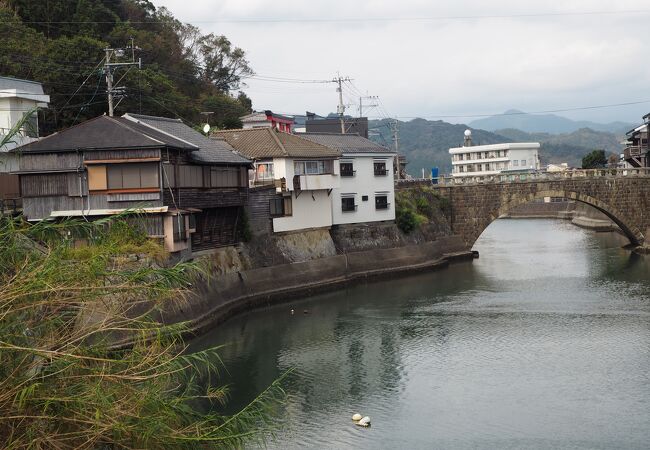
{"type": "Point", "coordinates": [426, 143]}
{"type": "Point", "coordinates": [61, 44]}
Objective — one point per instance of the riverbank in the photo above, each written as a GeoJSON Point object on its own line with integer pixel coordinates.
{"type": "Point", "coordinates": [230, 290]}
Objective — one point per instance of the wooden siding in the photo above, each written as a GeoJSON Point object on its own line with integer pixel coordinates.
{"type": "Point", "coordinates": [50, 161]}
{"type": "Point", "coordinates": [205, 198]}
{"type": "Point", "coordinates": [152, 224]}
{"type": "Point", "coordinates": [259, 213]}
{"type": "Point", "coordinates": [45, 185]}
{"type": "Point", "coordinates": [121, 154]}
{"type": "Point", "coordinates": [215, 227]}
{"type": "Point", "coordinates": [37, 208]}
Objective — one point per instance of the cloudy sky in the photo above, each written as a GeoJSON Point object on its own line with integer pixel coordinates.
{"type": "Point", "coordinates": [444, 59]}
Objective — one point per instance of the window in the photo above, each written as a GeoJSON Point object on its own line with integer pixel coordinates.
{"type": "Point", "coordinates": [515, 162]}
{"type": "Point", "coordinates": [364, 198]}
{"type": "Point", "coordinates": [313, 167]}
{"type": "Point", "coordinates": [478, 155]}
{"type": "Point", "coordinates": [97, 178]}
{"type": "Point", "coordinates": [280, 206]}
{"type": "Point", "coordinates": [381, 201]}
{"type": "Point", "coordinates": [125, 176]}
{"type": "Point", "coordinates": [179, 228]}
{"type": "Point", "coordinates": [380, 168]}
{"type": "Point", "coordinates": [347, 169]}
{"type": "Point", "coordinates": [347, 204]}
{"type": "Point", "coordinates": [264, 172]}
{"type": "Point", "coordinates": [523, 163]}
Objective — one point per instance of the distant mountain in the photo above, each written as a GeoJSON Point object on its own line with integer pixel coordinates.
{"type": "Point", "coordinates": [426, 143]}
{"type": "Point", "coordinates": [544, 123]}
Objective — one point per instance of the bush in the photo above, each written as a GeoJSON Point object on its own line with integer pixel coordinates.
{"type": "Point", "coordinates": [406, 220]}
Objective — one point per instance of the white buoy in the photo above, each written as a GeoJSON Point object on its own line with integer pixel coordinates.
{"type": "Point", "coordinates": [365, 422]}
{"type": "Point", "coordinates": [357, 417]}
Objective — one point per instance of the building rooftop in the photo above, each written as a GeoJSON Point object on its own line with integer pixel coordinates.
{"type": "Point", "coordinates": [258, 143]}
{"type": "Point", "coordinates": [504, 146]}
{"type": "Point", "coordinates": [257, 116]}
{"type": "Point", "coordinates": [14, 87]}
{"type": "Point", "coordinates": [207, 150]}
{"type": "Point", "coordinates": [103, 132]}
{"type": "Point", "coordinates": [346, 143]}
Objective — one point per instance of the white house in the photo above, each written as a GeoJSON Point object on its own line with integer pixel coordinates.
{"type": "Point", "coordinates": [267, 119]}
{"type": "Point", "coordinates": [303, 172]}
{"type": "Point", "coordinates": [478, 161]}
{"type": "Point", "coordinates": [17, 99]}
{"type": "Point", "coordinates": [367, 189]}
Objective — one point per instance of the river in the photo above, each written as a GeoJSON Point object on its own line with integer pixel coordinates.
{"type": "Point", "coordinates": [542, 342]}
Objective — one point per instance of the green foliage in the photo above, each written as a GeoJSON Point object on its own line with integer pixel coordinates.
{"type": "Point", "coordinates": [61, 43]}
{"type": "Point", "coordinates": [594, 160]}
{"type": "Point", "coordinates": [63, 386]}
{"type": "Point", "coordinates": [406, 219]}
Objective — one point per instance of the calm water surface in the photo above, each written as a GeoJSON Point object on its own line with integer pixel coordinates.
{"type": "Point", "coordinates": [543, 342]}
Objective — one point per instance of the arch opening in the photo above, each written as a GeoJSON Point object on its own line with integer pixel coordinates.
{"type": "Point", "coordinates": [634, 236]}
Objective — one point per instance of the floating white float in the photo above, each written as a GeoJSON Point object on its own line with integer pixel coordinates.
{"type": "Point", "coordinates": [365, 422]}
{"type": "Point", "coordinates": [357, 417]}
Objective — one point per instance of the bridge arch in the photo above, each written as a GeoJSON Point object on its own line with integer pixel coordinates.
{"type": "Point", "coordinates": [506, 205]}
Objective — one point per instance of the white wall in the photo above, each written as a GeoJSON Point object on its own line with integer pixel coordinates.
{"type": "Point", "coordinates": [529, 155]}
{"type": "Point", "coordinates": [311, 209]}
{"type": "Point", "coordinates": [364, 182]}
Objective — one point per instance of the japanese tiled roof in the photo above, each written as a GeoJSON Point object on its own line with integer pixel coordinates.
{"type": "Point", "coordinates": [102, 133]}
{"type": "Point", "coordinates": [208, 150]}
{"type": "Point", "coordinates": [346, 143]}
{"type": "Point", "coordinates": [258, 143]}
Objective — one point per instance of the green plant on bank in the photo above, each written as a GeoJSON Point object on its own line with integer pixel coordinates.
{"type": "Point", "coordinates": [418, 205]}
{"type": "Point", "coordinates": [61, 383]}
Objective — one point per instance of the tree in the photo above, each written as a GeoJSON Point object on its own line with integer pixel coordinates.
{"type": "Point", "coordinates": [222, 65]}
{"type": "Point", "coordinates": [594, 160]}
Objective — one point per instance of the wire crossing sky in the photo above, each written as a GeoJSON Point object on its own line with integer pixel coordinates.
{"type": "Point", "coordinates": [451, 60]}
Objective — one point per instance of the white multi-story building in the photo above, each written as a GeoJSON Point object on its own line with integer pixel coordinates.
{"type": "Point", "coordinates": [304, 173]}
{"type": "Point", "coordinates": [18, 98]}
{"type": "Point", "coordinates": [478, 161]}
{"type": "Point", "coordinates": [367, 189]}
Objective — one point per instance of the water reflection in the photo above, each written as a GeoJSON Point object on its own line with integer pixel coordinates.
{"type": "Point", "coordinates": [543, 342]}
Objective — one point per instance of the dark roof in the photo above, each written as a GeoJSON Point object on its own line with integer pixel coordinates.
{"type": "Point", "coordinates": [346, 143]}
{"type": "Point", "coordinates": [259, 143]}
{"type": "Point", "coordinates": [102, 133]}
{"type": "Point", "coordinates": [208, 150]}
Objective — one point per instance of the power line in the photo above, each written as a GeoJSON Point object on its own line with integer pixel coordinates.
{"type": "Point", "coordinates": [362, 19]}
{"type": "Point", "coordinates": [521, 113]}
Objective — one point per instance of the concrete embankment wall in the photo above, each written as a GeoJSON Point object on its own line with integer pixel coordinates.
{"type": "Point", "coordinates": [543, 210]}
{"type": "Point", "coordinates": [218, 297]}
{"type": "Point", "coordinates": [586, 216]}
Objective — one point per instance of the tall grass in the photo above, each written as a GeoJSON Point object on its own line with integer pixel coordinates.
{"type": "Point", "coordinates": [62, 385]}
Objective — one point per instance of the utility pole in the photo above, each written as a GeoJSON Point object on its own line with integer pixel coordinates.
{"type": "Point", "coordinates": [109, 68]}
{"type": "Point", "coordinates": [369, 97]}
{"type": "Point", "coordinates": [340, 109]}
{"type": "Point", "coordinates": [395, 130]}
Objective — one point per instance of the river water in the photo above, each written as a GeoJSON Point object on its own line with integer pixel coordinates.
{"type": "Point", "coordinates": [543, 342]}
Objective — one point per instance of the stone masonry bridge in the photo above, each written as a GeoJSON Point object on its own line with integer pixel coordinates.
{"type": "Point", "coordinates": [621, 194]}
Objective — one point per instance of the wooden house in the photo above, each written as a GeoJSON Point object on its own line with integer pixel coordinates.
{"type": "Point", "coordinates": [189, 189]}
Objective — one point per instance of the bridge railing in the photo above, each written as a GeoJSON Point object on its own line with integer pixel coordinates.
{"type": "Point", "coordinates": [532, 177]}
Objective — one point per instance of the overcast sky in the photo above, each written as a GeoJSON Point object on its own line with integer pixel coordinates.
{"type": "Point", "coordinates": [457, 63]}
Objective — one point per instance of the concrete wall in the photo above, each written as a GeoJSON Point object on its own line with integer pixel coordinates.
{"type": "Point", "coordinates": [217, 298]}
{"type": "Point", "coordinates": [311, 209]}
{"type": "Point", "coordinates": [365, 182]}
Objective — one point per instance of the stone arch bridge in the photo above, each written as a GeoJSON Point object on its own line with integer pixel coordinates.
{"type": "Point", "coordinates": [621, 194]}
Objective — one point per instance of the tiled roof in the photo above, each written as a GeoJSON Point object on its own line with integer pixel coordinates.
{"type": "Point", "coordinates": [103, 132]}
{"type": "Point", "coordinates": [346, 143]}
{"type": "Point", "coordinates": [209, 150]}
{"type": "Point", "coordinates": [260, 143]}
